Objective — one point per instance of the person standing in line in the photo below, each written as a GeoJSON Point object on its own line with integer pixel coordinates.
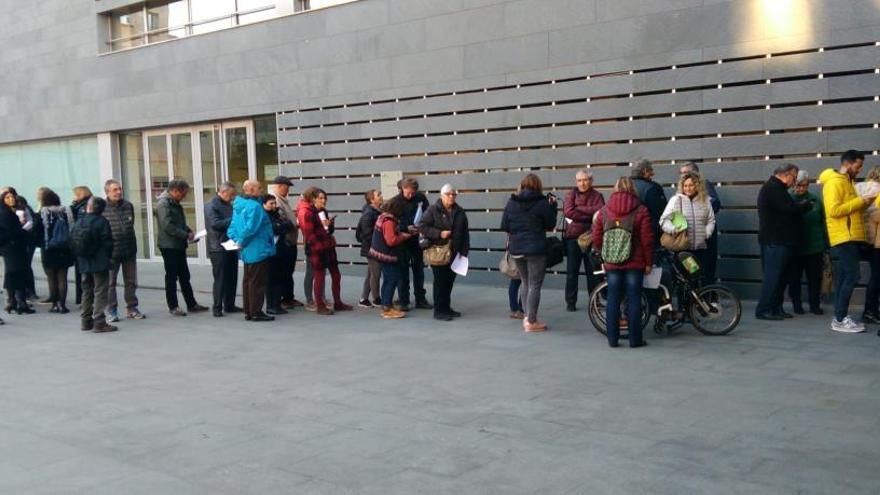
{"type": "Point", "coordinates": [34, 227]}
{"type": "Point", "coordinates": [844, 219]}
{"type": "Point", "coordinates": [445, 222]}
{"type": "Point", "coordinates": [251, 229]}
{"type": "Point", "coordinates": [810, 249]}
{"type": "Point", "coordinates": [579, 206]}
{"type": "Point", "coordinates": [693, 203]}
{"type": "Point", "coordinates": [625, 277]}
{"type": "Point", "coordinates": [871, 185]}
{"type": "Point", "coordinates": [779, 219]}
{"type": "Point", "coordinates": [81, 196]}
{"type": "Point", "coordinates": [120, 214]}
{"type": "Point", "coordinates": [650, 194]}
{"type": "Point", "coordinates": [92, 241]}
{"type": "Point", "coordinates": [411, 254]}
{"type": "Point", "coordinates": [527, 218]}
{"type": "Point", "coordinates": [55, 253]}
{"type": "Point", "coordinates": [224, 263]}
{"type": "Point", "coordinates": [281, 191]}
{"type": "Point", "coordinates": [317, 226]}
{"type": "Point", "coordinates": [13, 244]}
{"type": "Point", "coordinates": [282, 260]}
{"type": "Point", "coordinates": [710, 271]}
{"type": "Point", "coordinates": [364, 234]}
{"type": "Point", "coordinates": [173, 237]}
{"type": "Point", "coordinates": [385, 248]}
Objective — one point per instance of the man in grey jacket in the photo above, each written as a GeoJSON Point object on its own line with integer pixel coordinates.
{"type": "Point", "coordinates": [174, 235]}
{"type": "Point", "coordinates": [120, 214]}
{"type": "Point", "coordinates": [280, 191]}
{"type": "Point", "coordinates": [224, 263]}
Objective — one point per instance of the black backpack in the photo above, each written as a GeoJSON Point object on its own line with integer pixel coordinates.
{"type": "Point", "coordinates": [84, 240]}
{"type": "Point", "coordinates": [59, 232]}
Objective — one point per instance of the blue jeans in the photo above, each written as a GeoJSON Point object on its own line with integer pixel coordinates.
{"type": "Point", "coordinates": [847, 276]}
{"type": "Point", "coordinates": [513, 295]}
{"type": "Point", "coordinates": [774, 265]}
{"type": "Point", "coordinates": [630, 283]}
{"type": "Point", "coordinates": [391, 275]}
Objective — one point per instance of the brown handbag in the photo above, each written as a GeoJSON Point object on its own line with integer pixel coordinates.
{"type": "Point", "coordinates": [678, 241]}
{"type": "Point", "coordinates": [438, 254]}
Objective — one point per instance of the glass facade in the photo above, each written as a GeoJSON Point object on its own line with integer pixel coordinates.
{"type": "Point", "coordinates": [134, 189]}
{"type": "Point", "coordinates": [266, 141]}
{"type": "Point", "coordinates": [58, 164]}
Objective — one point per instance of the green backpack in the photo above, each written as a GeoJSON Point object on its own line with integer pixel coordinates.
{"type": "Point", "coordinates": [617, 238]}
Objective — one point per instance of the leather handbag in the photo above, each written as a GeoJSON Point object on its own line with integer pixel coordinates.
{"type": "Point", "coordinates": [507, 266]}
{"type": "Point", "coordinates": [438, 254]}
{"type": "Point", "coordinates": [584, 241]}
{"type": "Point", "coordinates": [678, 241]}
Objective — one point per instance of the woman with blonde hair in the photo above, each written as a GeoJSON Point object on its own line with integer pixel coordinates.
{"type": "Point", "coordinates": [871, 186]}
{"type": "Point", "coordinates": [692, 202]}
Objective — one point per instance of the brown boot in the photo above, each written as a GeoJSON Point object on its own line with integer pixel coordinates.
{"type": "Point", "coordinates": [341, 306]}
{"type": "Point", "coordinates": [87, 325]}
{"type": "Point", "coordinates": [324, 310]}
{"type": "Point", "coordinates": [104, 328]}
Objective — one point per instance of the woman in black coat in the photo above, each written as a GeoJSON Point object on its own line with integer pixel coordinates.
{"type": "Point", "coordinates": [55, 250]}
{"type": "Point", "coordinates": [446, 223]}
{"type": "Point", "coordinates": [14, 244]}
{"type": "Point", "coordinates": [81, 196]}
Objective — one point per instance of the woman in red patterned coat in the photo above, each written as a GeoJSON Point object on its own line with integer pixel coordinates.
{"type": "Point", "coordinates": [317, 227]}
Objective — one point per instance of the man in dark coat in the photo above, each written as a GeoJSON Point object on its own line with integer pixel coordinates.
{"type": "Point", "coordinates": [120, 214]}
{"type": "Point", "coordinates": [410, 253]}
{"type": "Point", "coordinates": [779, 223]}
{"type": "Point", "coordinates": [579, 206]}
{"type": "Point", "coordinates": [224, 263]}
{"type": "Point", "coordinates": [174, 236]}
{"type": "Point", "coordinates": [92, 240]}
{"type": "Point", "coordinates": [650, 194]}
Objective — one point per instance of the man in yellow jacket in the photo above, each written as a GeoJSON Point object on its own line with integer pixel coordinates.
{"type": "Point", "coordinates": [846, 230]}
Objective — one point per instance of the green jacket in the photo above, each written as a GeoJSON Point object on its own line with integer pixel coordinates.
{"type": "Point", "coordinates": [171, 221]}
{"type": "Point", "coordinates": [814, 238]}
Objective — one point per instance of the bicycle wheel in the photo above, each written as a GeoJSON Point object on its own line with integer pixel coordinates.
{"type": "Point", "coordinates": [723, 315]}
{"type": "Point", "coordinates": [598, 308]}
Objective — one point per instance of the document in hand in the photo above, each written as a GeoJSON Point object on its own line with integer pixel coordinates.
{"type": "Point", "coordinates": [230, 245]}
{"type": "Point", "coordinates": [418, 216]}
{"type": "Point", "coordinates": [460, 265]}
{"type": "Point", "coordinates": [652, 280]}
{"type": "Point", "coordinates": [199, 235]}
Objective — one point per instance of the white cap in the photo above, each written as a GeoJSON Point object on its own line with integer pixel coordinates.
{"type": "Point", "coordinates": [447, 188]}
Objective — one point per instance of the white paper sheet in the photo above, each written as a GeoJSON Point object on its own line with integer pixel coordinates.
{"type": "Point", "coordinates": [230, 245]}
{"type": "Point", "coordinates": [418, 216]}
{"type": "Point", "coordinates": [652, 280]}
{"type": "Point", "coordinates": [460, 265]}
{"type": "Point", "coordinates": [199, 235]}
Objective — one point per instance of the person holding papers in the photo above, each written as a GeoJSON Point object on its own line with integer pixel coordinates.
{"type": "Point", "coordinates": [445, 226]}
{"type": "Point", "coordinates": [224, 263]}
{"type": "Point", "coordinates": [251, 229]}
{"type": "Point", "coordinates": [414, 205]}
{"type": "Point", "coordinates": [317, 226]}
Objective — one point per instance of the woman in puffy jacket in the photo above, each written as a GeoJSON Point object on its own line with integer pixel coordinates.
{"type": "Point", "coordinates": [317, 227]}
{"type": "Point", "coordinates": [527, 217]}
{"type": "Point", "coordinates": [624, 210]}
{"type": "Point", "coordinates": [693, 202]}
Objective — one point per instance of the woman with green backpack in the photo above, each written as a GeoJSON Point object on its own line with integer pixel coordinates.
{"type": "Point", "coordinates": [622, 231]}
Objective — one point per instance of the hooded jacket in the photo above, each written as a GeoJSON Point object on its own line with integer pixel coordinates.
{"type": "Point", "coordinates": [251, 229]}
{"type": "Point", "coordinates": [843, 208]}
{"type": "Point", "coordinates": [621, 204]}
{"type": "Point", "coordinates": [99, 261]}
{"type": "Point", "coordinates": [580, 207]}
{"type": "Point", "coordinates": [366, 224]}
{"type": "Point", "coordinates": [527, 217]}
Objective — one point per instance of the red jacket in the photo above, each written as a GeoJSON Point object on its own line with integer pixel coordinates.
{"type": "Point", "coordinates": [621, 204]}
{"type": "Point", "coordinates": [315, 236]}
{"type": "Point", "coordinates": [580, 208]}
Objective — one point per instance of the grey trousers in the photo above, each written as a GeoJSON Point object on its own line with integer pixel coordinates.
{"type": "Point", "coordinates": [371, 280]}
{"type": "Point", "coordinates": [532, 269]}
{"type": "Point", "coordinates": [94, 297]}
{"type": "Point", "coordinates": [129, 280]}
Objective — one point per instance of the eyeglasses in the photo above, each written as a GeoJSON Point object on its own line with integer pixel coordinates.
{"type": "Point", "coordinates": [453, 194]}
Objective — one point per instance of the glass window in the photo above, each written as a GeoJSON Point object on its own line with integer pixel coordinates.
{"type": "Point", "coordinates": [266, 137]}
{"type": "Point", "coordinates": [205, 10]}
{"type": "Point", "coordinates": [131, 157]}
{"type": "Point", "coordinates": [260, 15]}
{"type": "Point", "coordinates": [236, 154]}
{"type": "Point", "coordinates": [167, 17]}
{"type": "Point", "coordinates": [182, 160]}
{"type": "Point", "coordinates": [251, 5]}
{"type": "Point", "coordinates": [127, 29]}
{"type": "Point", "coordinates": [59, 165]}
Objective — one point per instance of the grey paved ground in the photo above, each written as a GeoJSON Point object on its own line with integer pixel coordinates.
{"type": "Point", "coordinates": [352, 404]}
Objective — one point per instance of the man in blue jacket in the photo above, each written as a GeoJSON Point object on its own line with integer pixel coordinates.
{"type": "Point", "coordinates": [251, 229]}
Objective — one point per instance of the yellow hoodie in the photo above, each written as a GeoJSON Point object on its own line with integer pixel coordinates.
{"type": "Point", "coordinates": [843, 208]}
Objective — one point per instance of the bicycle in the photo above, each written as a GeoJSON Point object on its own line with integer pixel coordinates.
{"type": "Point", "coordinates": [712, 309]}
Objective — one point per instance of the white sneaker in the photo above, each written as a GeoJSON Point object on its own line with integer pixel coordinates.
{"type": "Point", "coordinates": [846, 326]}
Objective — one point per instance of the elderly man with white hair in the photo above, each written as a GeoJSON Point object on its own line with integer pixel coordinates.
{"type": "Point", "coordinates": [579, 206]}
{"type": "Point", "coordinates": [445, 225]}
{"type": "Point", "coordinates": [808, 253]}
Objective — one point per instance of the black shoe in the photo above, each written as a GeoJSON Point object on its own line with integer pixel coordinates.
{"type": "Point", "coordinates": [638, 344]}
{"type": "Point", "coordinates": [784, 314]}
{"type": "Point", "coordinates": [87, 325]}
{"type": "Point", "coordinates": [424, 305]}
{"type": "Point", "coordinates": [262, 317]}
{"type": "Point", "coordinates": [377, 301]}
{"type": "Point", "coordinates": [870, 317]}
{"type": "Point", "coordinates": [198, 308]}
{"type": "Point", "coordinates": [442, 317]}
{"type": "Point", "coordinates": [365, 303]}
{"type": "Point", "coordinates": [817, 311]}
{"type": "Point", "coordinates": [55, 309]}
{"type": "Point", "coordinates": [769, 316]}
{"type": "Point", "coordinates": [570, 307]}
{"type": "Point", "coordinates": [798, 309]}
{"type": "Point", "coordinates": [63, 310]}
{"type": "Point", "coordinates": [613, 346]}
{"type": "Point", "coordinates": [234, 309]}
{"type": "Point", "coordinates": [405, 307]}
{"type": "Point", "coordinates": [25, 310]}
{"type": "Point", "coordinates": [276, 311]}
{"type": "Point", "coordinates": [453, 313]}
{"type": "Point", "coordinates": [218, 314]}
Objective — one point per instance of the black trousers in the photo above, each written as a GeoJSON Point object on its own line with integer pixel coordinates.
{"type": "Point", "coordinates": [411, 258]}
{"type": "Point", "coordinates": [812, 265]}
{"type": "Point", "coordinates": [224, 266]}
{"type": "Point", "coordinates": [444, 278]}
{"type": "Point", "coordinates": [281, 268]}
{"type": "Point", "coordinates": [574, 259]}
{"type": "Point", "coordinates": [177, 271]}
{"type": "Point", "coordinates": [256, 276]}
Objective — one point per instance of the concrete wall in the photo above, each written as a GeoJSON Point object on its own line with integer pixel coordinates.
{"type": "Point", "coordinates": [481, 89]}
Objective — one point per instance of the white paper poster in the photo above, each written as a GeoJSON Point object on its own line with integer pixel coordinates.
{"type": "Point", "coordinates": [460, 265]}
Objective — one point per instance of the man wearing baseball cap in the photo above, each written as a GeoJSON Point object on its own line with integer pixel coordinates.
{"type": "Point", "coordinates": [282, 297]}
